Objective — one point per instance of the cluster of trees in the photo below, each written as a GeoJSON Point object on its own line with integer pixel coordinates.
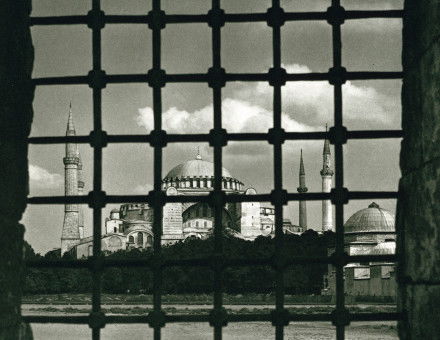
{"type": "Point", "coordinates": [299, 279]}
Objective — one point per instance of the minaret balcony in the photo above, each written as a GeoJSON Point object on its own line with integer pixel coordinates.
{"type": "Point", "coordinates": [71, 160]}
{"type": "Point", "coordinates": [327, 172]}
{"type": "Point", "coordinates": [302, 190]}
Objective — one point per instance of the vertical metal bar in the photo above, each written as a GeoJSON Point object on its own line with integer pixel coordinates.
{"type": "Point", "coordinates": [278, 180]}
{"type": "Point", "coordinates": [218, 208]}
{"type": "Point", "coordinates": [157, 208]}
{"type": "Point", "coordinates": [97, 170]}
{"type": "Point", "coordinates": [339, 174]}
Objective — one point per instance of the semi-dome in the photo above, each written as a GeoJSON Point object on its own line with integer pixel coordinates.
{"type": "Point", "coordinates": [371, 219]}
{"type": "Point", "coordinates": [195, 168]}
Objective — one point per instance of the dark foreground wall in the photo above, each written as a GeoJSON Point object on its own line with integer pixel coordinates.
{"type": "Point", "coordinates": [418, 211]}
{"type": "Point", "coordinates": [16, 94]}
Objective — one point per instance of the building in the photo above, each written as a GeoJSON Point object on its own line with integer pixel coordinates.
{"type": "Point", "coordinates": [369, 231]}
{"type": "Point", "coordinates": [130, 226]}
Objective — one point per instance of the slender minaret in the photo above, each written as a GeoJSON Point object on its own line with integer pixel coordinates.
{"type": "Point", "coordinates": [70, 234]}
{"type": "Point", "coordinates": [80, 192]}
{"type": "Point", "coordinates": [301, 189]}
{"type": "Point", "coordinates": [326, 174]}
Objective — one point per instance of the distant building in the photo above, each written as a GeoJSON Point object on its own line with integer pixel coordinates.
{"type": "Point", "coordinates": [369, 231]}
{"type": "Point", "coordinates": [130, 226]}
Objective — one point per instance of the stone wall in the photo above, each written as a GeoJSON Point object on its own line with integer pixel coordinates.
{"type": "Point", "coordinates": [16, 94]}
{"type": "Point", "coordinates": [418, 210]}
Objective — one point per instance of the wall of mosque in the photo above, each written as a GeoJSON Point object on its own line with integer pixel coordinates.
{"type": "Point", "coordinates": [250, 222]}
{"type": "Point", "coordinates": [172, 221]}
{"type": "Point", "coordinates": [374, 280]}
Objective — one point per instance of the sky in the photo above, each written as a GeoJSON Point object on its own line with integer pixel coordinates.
{"type": "Point", "coordinates": [372, 44]}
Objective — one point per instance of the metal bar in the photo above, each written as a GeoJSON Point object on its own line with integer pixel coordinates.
{"type": "Point", "coordinates": [205, 262]}
{"type": "Point", "coordinates": [191, 138]}
{"type": "Point", "coordinates": [157, 205]}
{"type": "Point", "coordinates": [218, 204]}
{"type": "Point", "coordinates": [309, 196]}
{"type": "Point", "coordinates": [97, 171]}
{"type": "Point", "coordinates": [277, 169]}
{"type": "Point", "coordinates": [261, 317]}
{"type": "Point", "coordinates": [203, 77]}
{"type": "Point", "coordinates": [339, 167]}
{"type": "Point", "coordinates": [202, 18]}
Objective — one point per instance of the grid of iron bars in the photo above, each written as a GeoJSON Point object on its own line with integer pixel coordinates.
{"type": "Point", "coordinates": [216, 78]}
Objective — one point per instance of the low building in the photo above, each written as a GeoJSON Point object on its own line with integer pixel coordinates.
{"type": "Point", "coordinates": [369, 231]}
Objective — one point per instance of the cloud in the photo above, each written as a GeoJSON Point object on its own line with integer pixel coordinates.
{"type": "Point", "coordinates": [42, 179]}
{"type": "Point", "coordinates": [237, 116]}
{"type": "Point", "coordinates": [313, 100]}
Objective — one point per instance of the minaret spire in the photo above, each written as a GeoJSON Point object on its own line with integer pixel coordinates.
{"type": "Point", "coordinates": [70, 126]}
{"type": "Point", "coordinates": [70, 235]}
{"type": "Point", "coordinates": [326, 150]}
{"type": "Point", "coordinates": [326, 174]}
{"type": "Point", "coordinates": [302, 189]}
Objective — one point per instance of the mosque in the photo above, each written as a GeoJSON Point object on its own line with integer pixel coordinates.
{"type": "Point", "coordinates": [368, 231]}
{"type": "Point", "coordinates": [130, 226]}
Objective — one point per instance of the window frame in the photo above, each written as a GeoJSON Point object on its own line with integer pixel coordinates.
{"type": "Point", "coordinates": [216, 78]}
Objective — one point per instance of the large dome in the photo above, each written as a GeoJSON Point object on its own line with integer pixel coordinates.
{"type": "Point", "coordinates": [371, 219]}
{"type": "Point", "coordinates": [195, 168]}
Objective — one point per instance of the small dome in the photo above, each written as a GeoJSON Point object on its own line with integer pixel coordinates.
{"type": "Point", "coordinates": [195, 168]}
{"type": "Point", "coordinates": [371, 219]}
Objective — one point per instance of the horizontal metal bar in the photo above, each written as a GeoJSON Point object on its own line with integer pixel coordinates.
{"type": "Point", "coordinates": [249, 317]}
{"type": "Point", "coordinates": [59, 20]}
{"type": "Point", "coordinates": [106, 262]}
{"type": "Point", "coordinates": [376, 316]}
{"type": "Point", "coordinates": [372, 258]}
{"type": "Point", "coordinates": [75, 319]}
{"type": "Point", "coordinates": [229, 198]}
{"type": "Point", "coordinates": [203, 18]}
{"type": "Point", "coordinates": [66, 80]}
{"type": "Point", "coordinates": [371, 14]}
{"type": "Point", "coordinates": [143, 78]}
{"type": "Point", "coordinates": [189, 138]}
{"type": "Point", "coordinates": [374, 134]}
{"type": "Point", "coordinates": [372, 75]}
{"type": "Point", "coordinates": [363, 195]}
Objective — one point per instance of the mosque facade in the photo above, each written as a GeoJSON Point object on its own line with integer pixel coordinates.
{"type": "Point", "coordinates": [130, 226]}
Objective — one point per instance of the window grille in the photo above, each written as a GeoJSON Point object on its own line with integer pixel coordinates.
{"type": "Point", "coordinates": [218, 137]}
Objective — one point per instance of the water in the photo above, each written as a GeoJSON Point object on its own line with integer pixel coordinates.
{"type": "Point", "coordinates": [234, 331]}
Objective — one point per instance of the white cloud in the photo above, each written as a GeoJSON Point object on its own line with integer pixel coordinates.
{"type": "Point", "coordinates": [360, 103]}
{"type": "Point", "coordinates": [238, 116]}
{"type": "Point", "coordinates": [42, 179]}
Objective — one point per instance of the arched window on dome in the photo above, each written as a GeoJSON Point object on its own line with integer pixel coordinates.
{"type": "Point", "coordinates": [140, 239]}
{"type": "Point", "coordinates": [205, 224]}
{"type": "Point", "coordinates": [197, 224]}
{"type": "Point", "coordinates": [130, 239]}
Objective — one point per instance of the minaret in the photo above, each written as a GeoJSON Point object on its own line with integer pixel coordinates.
{"type": "Point", "coordinates": [70, 234]}
{"type": "Point", "coordinates": [301, 189]}
{"type": "Point", "coordinates": [326, 174]}
{"type": "Point", "coordinates": [80, 192]}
